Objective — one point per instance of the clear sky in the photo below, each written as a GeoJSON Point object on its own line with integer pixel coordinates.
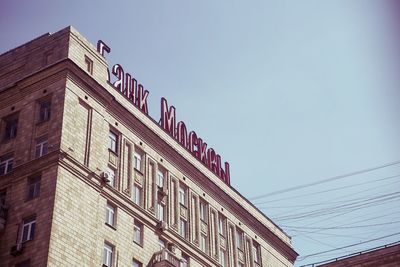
{"type": "Point", "coordinates": [289, 92]}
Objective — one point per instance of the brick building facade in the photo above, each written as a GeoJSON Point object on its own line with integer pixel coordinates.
{"type": "Point", "coordinates": [386, 256]}
{"type": "Point", "coordinates": [88, 179]}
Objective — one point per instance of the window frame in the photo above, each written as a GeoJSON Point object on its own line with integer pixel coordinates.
{"type": "Point", "coordinates": [137, 162]}
{"type": "Point", "coordinates": [108, 254]}
{"type": "Point", "coordinates": [183, 228]}
{"type": "Point", "coordinates": [239, 242]}
{"type": "Point", "coordinates": [43, 145]}
{"type": "Point", "coordinates": [137, 194]}
{"type": "Point", "coordinates": [34, 186]}
{"type": "Point", "coordinates": [138, 228]}
{"type": "Point", "coordinates": [11, 126]}
{"type": "Point", "coordinates": [183, 195]}
{"type": "Point", "coordinates": [160, 182]}
{"type": "Point", "coordinates": [136, 263]}
{"type": "Point", "coordinates": [203, 211]}
{"type": "Point", "coordinates": [113, 141]}
{"type": "Point", "coordinates": [160, 205]}
{"type": "Point", "coordinates": [30, 224]}
{"type": "Point", "coordinates": [44, 111]}
{"type": "Point", "coordinates": [6, 163]}
{"type": "Point", "coordinates": [256, 251]}
{"type": "Point", "coordinates": [111, 213]}
{"type": "Point", "coordinates": [112, 173]}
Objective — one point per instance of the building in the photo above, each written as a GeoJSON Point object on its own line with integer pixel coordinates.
{"type": "Point", "coordinates": [384, 256]}
{"type": "Point", "coordinates": [87, 178]}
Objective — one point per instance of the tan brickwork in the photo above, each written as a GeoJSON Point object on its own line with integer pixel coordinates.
{"type": "Point", "coordinates": [71, 209]}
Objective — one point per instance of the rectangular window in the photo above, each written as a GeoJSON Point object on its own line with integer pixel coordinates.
{"type": "Point", "coordinates": [160, 179]}
{"type": "Point", "coordinates": [136, 263]}
{"type": "Point", "coordinates": [203, 211]}
{"type": "Point", "coordinates": [44, 111]}
{"type": "Point", "coordinates": [111, 176]}
{"type": "Point", "coordinates": [6, 164]}
{"type": "Point", "coordinates": [138, 233]}
{"type": "Point", "coordinates": [222, 257]}
{"type": "Point", "coordinates": [34, 187]}
{"type": "Point", "coordinates": [161, 243]}
{"type": "Point", "coordinates": [11, 128]}
{"type": "Point", "coordinates": [239, 239]}
{"type": "Point", "coordinates": [183, 195]}
{"type": "Point", "coordinates": [203, 243]}
{"type": "Point", "coordinates": [3, 197]}
{"type": "Point", "coordinates": [28, 229]}
{"type": "Point", "coordinates": [110, 215]}
{"type": "Point", "coordinates": [137, 194]}
{"type": "Point", "coordinates": [183, 228]}
{"type": "Point", "coordinates": [41, 147]}
{"type": "Point", "coordinates": [138, 162]}
{"type": "Point", "coordinates": [108, 254]}
{"type": "Point", "coordinates": [89, 65]}
{"type": "Point", "coordinates": [221, 225]}
{"type": "Point", "coordinates": [112, 142]}
{"type": "Point", "coordinates": [185, 260]}
{"type": "Point", "coordinates": [256, 253]}
{"type": "Point", "coordinates": [160, 212]}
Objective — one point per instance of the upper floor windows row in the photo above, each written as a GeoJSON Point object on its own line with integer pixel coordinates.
{"type": "Point", "coordinates": [11, 122]}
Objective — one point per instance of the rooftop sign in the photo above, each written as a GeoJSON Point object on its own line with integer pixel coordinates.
{"type": "Point", "coordinates": [137, 95]}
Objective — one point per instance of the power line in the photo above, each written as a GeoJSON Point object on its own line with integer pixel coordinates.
{"type": "Point", "coordinates": [337, 227]}
{"type": "Point", "coordinates": [326, 180]}
{"type": "Point", "coordinates": [332, 189]}
{"type": "Point", "coordinates": [348, 246]}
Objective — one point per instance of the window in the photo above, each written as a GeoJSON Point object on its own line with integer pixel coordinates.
{"type": "Point", "coordinates": [11, 128]}
{"type": "Point", "coordinates": [44, 111]}
{"type": "Point", "coordinates": [161, 243]}
{"type": "Point", "coordinates": [3, 197]}
{"type": "Point", "coordinates": [185, 260]}
{"type": "Point", "coordinates": [28, 229]}
{"type": "Point", "coordinates": [183, 228]}
{"type": "Point", "coordinates": [137, 162]}
{"type": "Point", "coordinates": [160, 179]}
{"type": "Point", "coordinates": [111, 176]}
{"type": "Point", "coordinates": [34, 187]}
{"type": "Point", "coordinates": [89, 65]}
{"type": "Point", "coordinates": [256, 253]}
{"type": "Point", "coordinates": [6, 164]}
{"type": "Point", "coordinates": [222, 257]}
{"type": "Point", "coordinates": [137, 194]}
{"type": "Point", "coordinates": [221, 225]}
{"type": "Point", "coordinates": [183, 195]}
{"type": "Point", "coordinates": [239, 240]}
{"type": "Point", "coordinates": [203, 211]}
{"type": "Point", "coordinates": [160, 212]}
{"type": "Point", "coordinates": [108, 254]}
{"type": "Point", "coordinates": [203, 243]}
{"type": "Point", "coordinates": [110, 215]}
{"type": "Point", "coordinates": [135, 263]}
{"type": "Point", "coordinates": [112, 141]}
{"type": "Point", "coordinates": [138, 233]}
{"type": "Point", "coordinates": [41, 147]}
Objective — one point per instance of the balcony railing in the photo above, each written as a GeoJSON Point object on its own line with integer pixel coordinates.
{"type": "Point", "coordinates": [165, 258]}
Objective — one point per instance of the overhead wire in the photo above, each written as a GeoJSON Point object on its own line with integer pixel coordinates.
{"type": "Point", "coordinates": [334, 178]}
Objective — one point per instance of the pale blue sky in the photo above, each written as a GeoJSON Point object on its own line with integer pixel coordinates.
{"type": "Point", "coordinates": [289, 92]}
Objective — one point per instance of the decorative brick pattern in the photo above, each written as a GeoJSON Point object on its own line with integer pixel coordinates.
{"type": "Point", "coordinates": [71, 208]}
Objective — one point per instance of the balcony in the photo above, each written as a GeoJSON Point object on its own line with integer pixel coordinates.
{"type": "Point", "coordinates": [165, 258]}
